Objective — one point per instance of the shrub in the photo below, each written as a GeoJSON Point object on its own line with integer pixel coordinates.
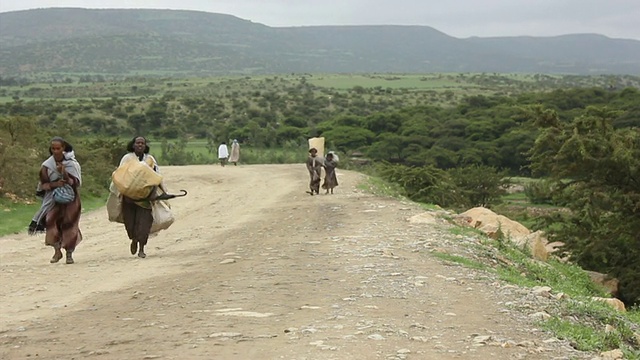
{"type": "Point", "coordinates": [539, 192]}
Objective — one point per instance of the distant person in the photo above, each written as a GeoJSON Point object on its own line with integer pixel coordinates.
{"type": "Point", "coordinates": [137, 215]}
{"type": "Point", "coordinates": [314, 166]}
{"type": "Point", "coordinates": [235, 152]}
{"type": "Point", "coordinates": [330, 178]}
{"type": "Point", "coordinates": [59, 214]}
{"type": "Point", "coordinates": [223, 153]}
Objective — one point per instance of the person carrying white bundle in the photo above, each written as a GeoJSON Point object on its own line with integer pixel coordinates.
{"type": "Point", "coordinates": [144, 214]}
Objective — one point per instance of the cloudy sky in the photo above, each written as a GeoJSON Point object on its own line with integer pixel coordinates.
{"type": "Point", "coordinates": [460, 18]}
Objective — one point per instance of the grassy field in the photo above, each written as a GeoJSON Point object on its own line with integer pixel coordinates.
{"type": "Point", "coordinates": [157, 86]}
{"type": "Point", "coordinates": [17, 216]}
{"type": "Point", "coordinates": [423, 82]}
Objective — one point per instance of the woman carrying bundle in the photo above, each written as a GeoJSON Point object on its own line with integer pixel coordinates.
{"type": "Point", "coordinates": [137, 214]}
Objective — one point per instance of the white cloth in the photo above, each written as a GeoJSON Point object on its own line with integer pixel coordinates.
{"type": "Point", "coordinates": [223, 151]}
{"type": "Point", "coordinates": [132, 156]}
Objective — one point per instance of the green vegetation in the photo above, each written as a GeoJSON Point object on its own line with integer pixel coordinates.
{"type": "Point", "coordinates": [377, 186]}
{"type": "Point", "coordinates": [585, 324]}
{"type": "Point", "coordinates": [594, 169]}
{"type": "Point", "coordinates": [17, 215]}
{"type": "Point", "coordinates": [460, 260]}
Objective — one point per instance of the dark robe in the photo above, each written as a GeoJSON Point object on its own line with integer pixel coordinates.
{"type": "Point", "coordinates": [314, 166]}
{"type": "Point", "coordinates": [330, 179]}
{"type": "Point", "coordinates": [62, 222]}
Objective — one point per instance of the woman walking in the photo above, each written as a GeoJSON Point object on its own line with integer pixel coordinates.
{"type": "Point", "coordinates": [59, 215]}
{"type": "Point", "coordinates": [330, 178]}
{"type": "Point", "coordinates": [137, 214]}
{"type": "Point", "coordinates": [235, 152]}
{"type": "Point", "coordinates": [314, 166]}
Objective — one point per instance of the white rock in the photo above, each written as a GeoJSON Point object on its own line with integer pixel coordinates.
{"type": "Point", "coordinates": [419, 338]}
{"type": "Point", "coordinates": [612, 355]}
{"type": "Point", "coordinates": [543, 291]}
{"type": "Point", "coordinates": [541, 315]}
{"type": "Point", "coordinates": [526, 343]}
{"type": "Point", "coordinates": [376, 337]}
{"type": "Point", "coordinates": [482, 339]}
{"type": "Point", "coordinates": [225, 334]}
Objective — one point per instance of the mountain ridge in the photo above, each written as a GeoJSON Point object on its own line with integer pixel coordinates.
{"type": "Point", "coordinates": [196, 42]}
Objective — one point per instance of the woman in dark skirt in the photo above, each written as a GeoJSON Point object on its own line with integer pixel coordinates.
{"type": "Point", "coordinates": [330, 179]}
{"type": "Point", "coordinates": [137, 214]}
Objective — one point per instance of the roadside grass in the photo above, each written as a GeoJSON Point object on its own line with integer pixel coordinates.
{"type": "Point", "coordinates": [379, 187]}
{"type": "Point", "coordinates": [587, 324]}
{"type": "Point", "coordinates": [376, 186]}
{"type": "Point", "coordinates": [17, 216]}
{"type": "Point", "coordinates": [461, 260]}
{"type": "Point", "coordinates": [464, 231]}
{"type": "Point", "coordinates": [595, 326]}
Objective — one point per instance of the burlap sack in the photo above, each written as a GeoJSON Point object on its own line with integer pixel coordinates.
{"type": "Point", "coordinates": [135, 180]}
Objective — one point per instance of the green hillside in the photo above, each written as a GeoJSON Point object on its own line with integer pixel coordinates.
{"type": "Point", "coordinates": [118, 41]}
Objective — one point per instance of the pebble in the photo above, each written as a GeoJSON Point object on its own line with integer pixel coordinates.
{"type": "Point", "coordinates": [225, 334]}
{"type": "Point", "coordinates": [376, 337]}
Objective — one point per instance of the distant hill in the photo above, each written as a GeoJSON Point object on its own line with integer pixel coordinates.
{"type": "Point", "coordinates": [122, 41]}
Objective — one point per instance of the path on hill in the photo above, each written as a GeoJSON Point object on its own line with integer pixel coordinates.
{"type": "Point", "coordinates": [254, 268]}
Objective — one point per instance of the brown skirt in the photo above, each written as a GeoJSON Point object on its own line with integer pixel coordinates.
{"type": "Point", "coordinates": [63, 225]}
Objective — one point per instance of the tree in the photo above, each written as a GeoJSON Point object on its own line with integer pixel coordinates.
{"type": "Point", "coordinates": [595, 170]}
{"type": "Point", "coordinates": [138, 122]}
{"type": "Point", "coordinates": [346, 137]}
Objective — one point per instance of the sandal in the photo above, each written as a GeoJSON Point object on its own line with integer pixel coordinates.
{"type": "Point", "coordinates": [133, 247]}
{"type": "Point", "coordinates": [56, 257]}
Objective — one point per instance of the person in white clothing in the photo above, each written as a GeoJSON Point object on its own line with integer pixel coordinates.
{"type": "Point", "coordinates": [223, 153]}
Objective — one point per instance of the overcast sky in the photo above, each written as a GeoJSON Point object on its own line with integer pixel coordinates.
{"type": "Point", "coordinates": [459, 18]}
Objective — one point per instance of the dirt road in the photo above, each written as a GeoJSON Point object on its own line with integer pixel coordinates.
{"type": "Point", "coordinates": [254, 268]}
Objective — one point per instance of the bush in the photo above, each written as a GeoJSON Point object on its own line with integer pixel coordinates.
{"type": "Point", "coordinates": [479, 185]}
{"type": "Point", "coordinates": [20, 159]}
{"type": "Point", "coordinates": [539, 192]}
